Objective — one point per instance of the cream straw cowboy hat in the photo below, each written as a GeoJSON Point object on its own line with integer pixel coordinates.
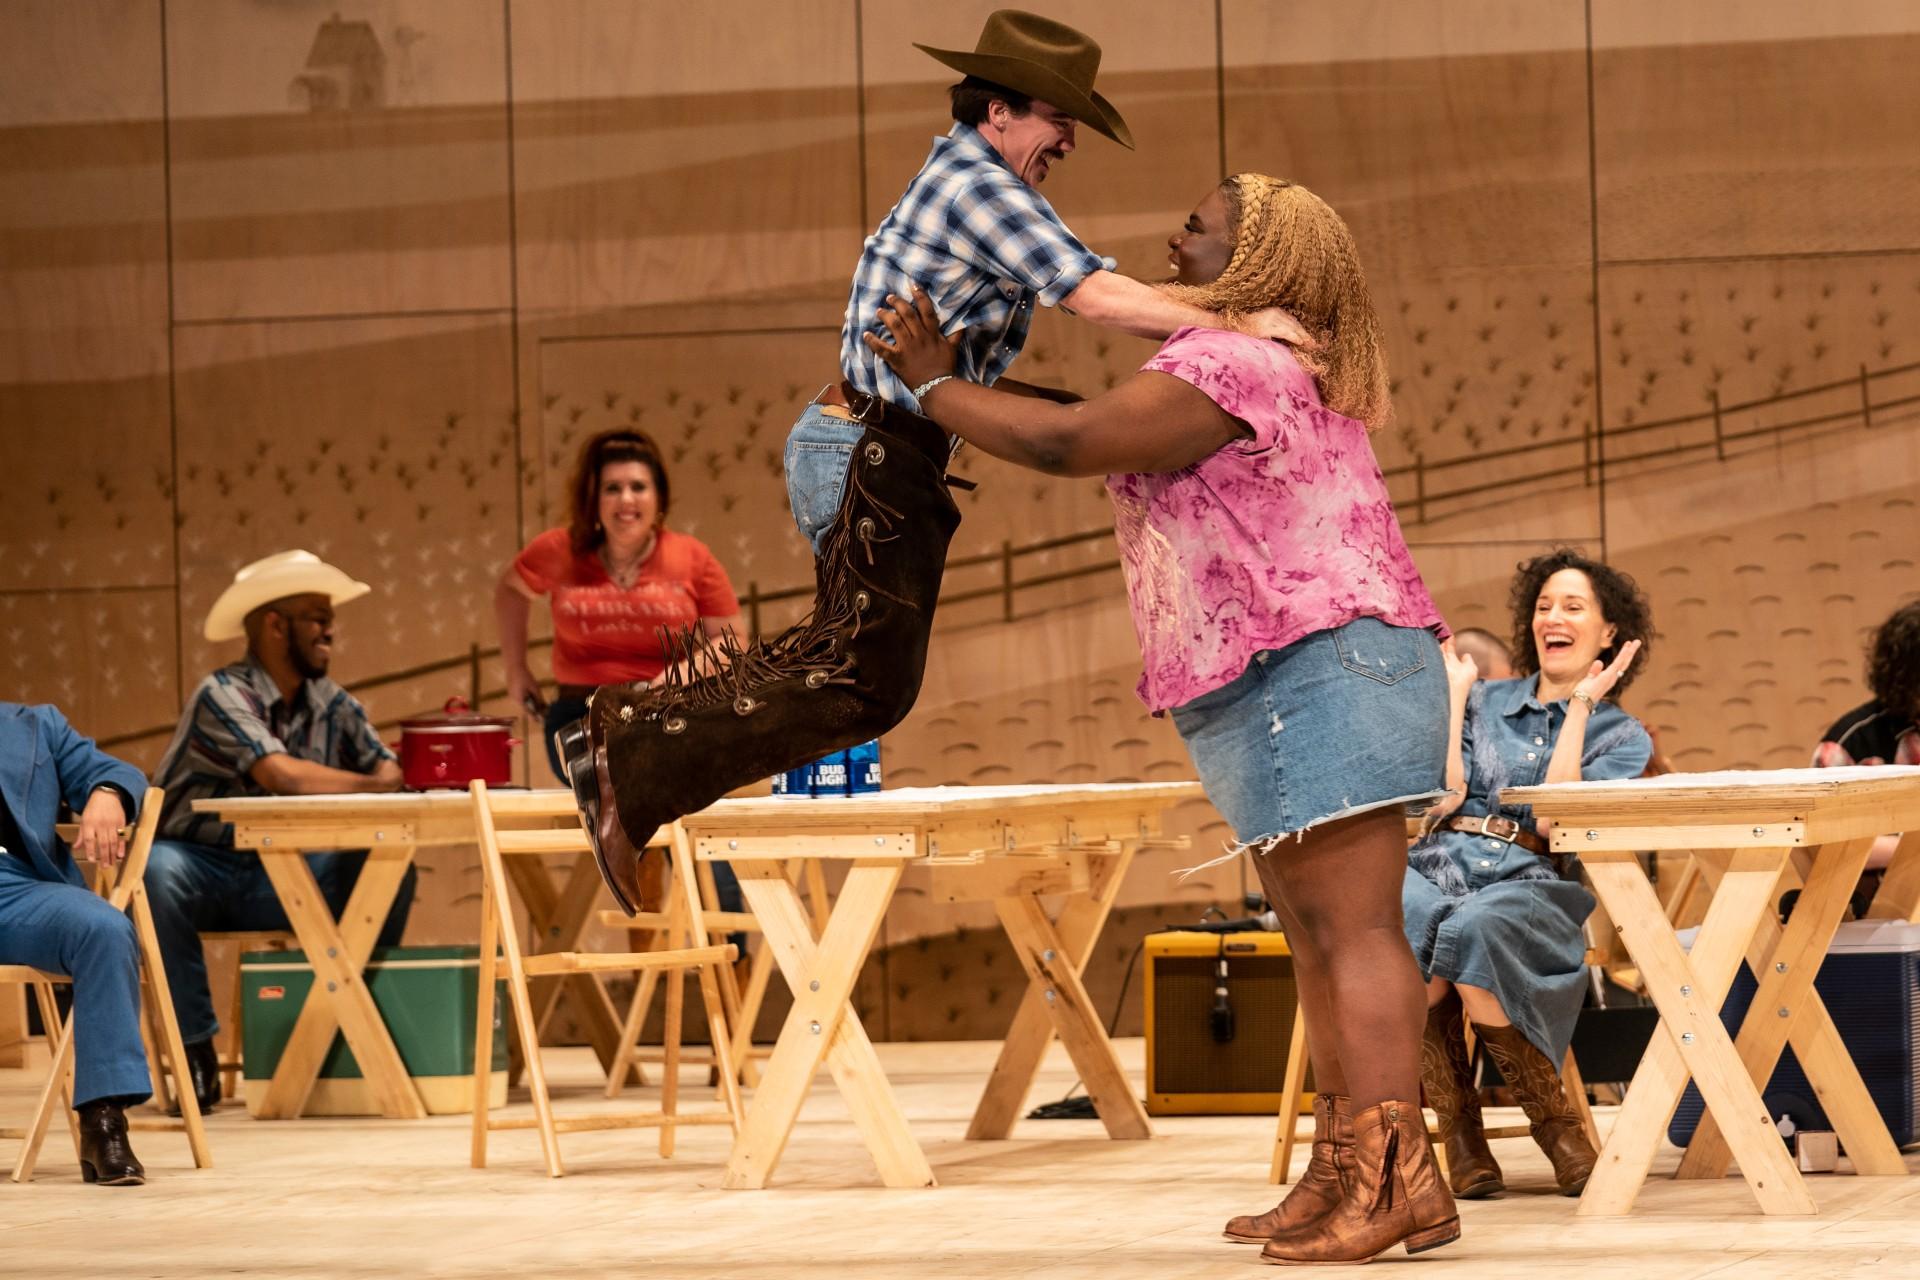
{"type": "Point", "coordinates": [1043, 59]}
{"type": "Point", "coordinates": [290, 573]}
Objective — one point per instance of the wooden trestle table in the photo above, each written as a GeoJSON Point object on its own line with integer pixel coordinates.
{"type": "Point", "coordinates": [281, 829]}
{"type": "Point", "coordinates": [1746, 829]}
{"type": "Point", "coordinates": [1010, 845]}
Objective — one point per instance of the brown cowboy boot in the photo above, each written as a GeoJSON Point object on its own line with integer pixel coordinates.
{"type": "Point", "coordinates": [1447, 1075]}
{"type": "Point", "coordinates": [846, 674]}
{"type": "Point", "coordinates": [1556, 1125]}
{"type": "Point", "coordinates": [1390, 1193]}
{"type": "Point", "coordinates": [1319, 1186]}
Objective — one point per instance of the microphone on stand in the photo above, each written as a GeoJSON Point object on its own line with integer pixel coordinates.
{"type": "Point", "coordinates": [1220, 1019]}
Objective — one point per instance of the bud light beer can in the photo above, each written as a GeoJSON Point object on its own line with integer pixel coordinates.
{"type": "Point", "coordinates": [863, 768]}
{"type": "Point", "coordinates": [794, 782]}
{"type": "Point", "coordinates": [830, 775]}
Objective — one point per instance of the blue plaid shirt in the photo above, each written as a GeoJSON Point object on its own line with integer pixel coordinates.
{"type": "Point", "coordinates": [983, 244]}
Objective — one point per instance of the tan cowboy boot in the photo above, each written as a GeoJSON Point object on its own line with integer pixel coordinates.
{"type": "Point", "coordinates": [1447, 1075]}
{"type": "Point", "coordinates": [1319, 1186]}
{"type": "Point", "coordinates": [1391, 1193]}
{"type": "Point", "coordinates": [1537, 1085]}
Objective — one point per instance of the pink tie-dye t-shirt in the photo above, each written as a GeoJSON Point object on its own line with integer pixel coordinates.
{"type": "Point", "coordinates": [1270, 538]}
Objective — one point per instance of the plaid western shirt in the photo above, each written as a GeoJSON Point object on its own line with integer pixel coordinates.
{"type": "Point", "coordinates": [234, 719]}
{"type": "Point", "coordinates": [983, 244]}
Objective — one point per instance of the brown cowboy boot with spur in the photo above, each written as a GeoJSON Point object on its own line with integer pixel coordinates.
{"type": "Point", "coordinates": [1446, 1073]}
{"type": "Point", "coordinates": [846, 674]}
{"type": "Point", "coordinates": [1536, 1084]}
{"type": "Point", "coordinates": [1391, 1193]}
{"type": "Point", "coordinates": [1319, 1186]}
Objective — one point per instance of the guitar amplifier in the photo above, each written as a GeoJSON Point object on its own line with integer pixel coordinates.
{"type": "Point", "coordinates": [1190, 1069]}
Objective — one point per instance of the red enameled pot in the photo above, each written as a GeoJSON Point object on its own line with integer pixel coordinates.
{"type": "Point", "coordinates": [453, 746]}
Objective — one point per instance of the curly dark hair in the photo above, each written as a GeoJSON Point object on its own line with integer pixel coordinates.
{"type": "Point", "coordinates": [620, 445]}
{"type": "Point", "coordinates": [1622, 603]}
{"type": "Point", "coordinates": [1893, 661]}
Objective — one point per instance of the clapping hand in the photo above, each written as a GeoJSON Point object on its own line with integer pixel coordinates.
{"type": "Point", "coordinates": [1599, 680]}
{"type": "Point", "coordinates": [1462, 671]}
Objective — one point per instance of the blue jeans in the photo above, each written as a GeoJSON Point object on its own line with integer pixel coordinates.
{"type": "Point", "coordinates": [197, 887]}
{"type": "Point", "coordinates": [818, 450]}
{"type": "Point", "coordinates": [63, 928]}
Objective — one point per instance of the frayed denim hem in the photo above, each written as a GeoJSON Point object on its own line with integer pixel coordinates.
{"type": "Point", "coordinates": [1269, 843]}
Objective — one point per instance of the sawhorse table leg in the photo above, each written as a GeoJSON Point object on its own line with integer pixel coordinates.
{"type": "Point", "coordinates": [1033, 1029]}
{"type": "Point", "coordinates": [1692, 1042]}
{"type": "Point", "coordinates": [339, 1000]}
{"type": "Point", "coordinates": [1052, 971]}
{"type": "Point", "coordinates": [822, 1026]}
{"type": "Point", "coordinates": [1785, 963]}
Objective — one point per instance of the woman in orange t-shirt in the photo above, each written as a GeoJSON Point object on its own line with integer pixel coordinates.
{"type": "Point", "coordinates": [616, 576]}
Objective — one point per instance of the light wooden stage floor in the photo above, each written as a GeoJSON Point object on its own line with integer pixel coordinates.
{"type": "Point", "coordinates": [348, 1198]}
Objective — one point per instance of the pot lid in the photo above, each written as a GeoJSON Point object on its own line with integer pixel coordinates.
{"type": "Point", "coordinates": [455, 715]}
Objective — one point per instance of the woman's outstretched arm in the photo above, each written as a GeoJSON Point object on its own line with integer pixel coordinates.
{"type": "Point", "coordinates": [1151, 422]}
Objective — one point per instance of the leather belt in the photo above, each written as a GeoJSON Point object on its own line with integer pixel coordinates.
{"type": "Point", "coordinates": [1495, 827]}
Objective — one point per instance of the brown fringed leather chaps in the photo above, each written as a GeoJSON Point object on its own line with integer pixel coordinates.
{"type": "Point", "coordinates": [849, 672]}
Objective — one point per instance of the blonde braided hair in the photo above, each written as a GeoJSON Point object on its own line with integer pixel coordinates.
{"type": "Point", "coordinates": [1291, 250]}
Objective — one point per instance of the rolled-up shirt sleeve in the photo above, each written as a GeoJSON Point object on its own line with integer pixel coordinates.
{"type": "Point", "coordinates": [1005, 228]}
{"type": "Point", "coordinates": [1617, 750]}
{"type": "Point", "coordinates": [361, 749]}
{"type": "Point", "coordinates": [228, 728]}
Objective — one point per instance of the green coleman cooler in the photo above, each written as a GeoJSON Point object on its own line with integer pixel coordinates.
{"type": "Point", "coordinates": [425, 994]}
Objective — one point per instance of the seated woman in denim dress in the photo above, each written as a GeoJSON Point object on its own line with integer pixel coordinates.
{"type": "Point", "coordinates": [1494, 920]}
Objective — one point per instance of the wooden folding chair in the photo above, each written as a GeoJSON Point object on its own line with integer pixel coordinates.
{"type": "Point", "coordinates": [742, 1006]}
{"type": "Point", "coordinates": [124, 887]}
{"type": "Point", "coordinates": [499, 938]}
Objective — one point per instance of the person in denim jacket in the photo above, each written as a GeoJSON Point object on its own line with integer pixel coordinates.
{"type": "Point", "coordinates": [1494, 919]}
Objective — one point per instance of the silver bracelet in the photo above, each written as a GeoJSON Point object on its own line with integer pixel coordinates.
{"type": "Point", "coordinates": [921, 390]}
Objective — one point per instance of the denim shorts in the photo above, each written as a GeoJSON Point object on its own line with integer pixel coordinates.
{"type": "Point", "coordinates": [1335, 724]}
{"type": "Point", "coordinates": [818, 450]}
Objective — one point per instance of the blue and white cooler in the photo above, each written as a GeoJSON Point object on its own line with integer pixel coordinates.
{"type": "Point", "coordinates": [1871, 985]}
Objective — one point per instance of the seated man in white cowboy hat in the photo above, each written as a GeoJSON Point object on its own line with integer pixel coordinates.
{"type": "Point", "coordinates": [269, 724]}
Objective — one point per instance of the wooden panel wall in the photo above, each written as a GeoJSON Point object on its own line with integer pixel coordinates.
{"type": "Point", "coordinates": [359, 276]}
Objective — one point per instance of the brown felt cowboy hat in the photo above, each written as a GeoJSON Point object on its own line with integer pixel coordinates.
{"type": "Point", "coordinates": [1043, 59]}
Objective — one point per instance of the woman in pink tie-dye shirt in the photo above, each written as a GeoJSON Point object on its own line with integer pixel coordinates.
{"type": "Point", "coordinates": [1284, 627]}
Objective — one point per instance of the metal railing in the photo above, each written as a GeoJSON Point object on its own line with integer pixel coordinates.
{"type": "Point", "coordinates": [1711, 424]}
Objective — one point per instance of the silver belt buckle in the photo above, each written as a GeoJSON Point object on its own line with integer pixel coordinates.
{"type": "Point", "coordinates": [1494, 835]}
